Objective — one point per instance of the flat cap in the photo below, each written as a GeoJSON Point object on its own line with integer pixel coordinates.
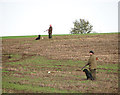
{"type": "Point", "coordinates": [91, 52]}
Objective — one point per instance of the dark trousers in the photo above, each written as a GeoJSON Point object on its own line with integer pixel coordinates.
{"type": "Point", "coordinates": [50, 35]}
{"type": "Point", "coordinates": [93, 72]}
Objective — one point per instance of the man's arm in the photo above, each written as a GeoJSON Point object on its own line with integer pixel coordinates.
{"type": "Point", "coordinates": [84, 66]}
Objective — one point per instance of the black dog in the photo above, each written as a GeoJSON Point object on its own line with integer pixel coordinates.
{"type": "Point", "coordinates": [88, 74]}
{"type": "Point", "coordinates": [38, 37]}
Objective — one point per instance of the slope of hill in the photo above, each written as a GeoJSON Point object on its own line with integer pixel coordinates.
{"type": "Point", "coordinates": [26, 63]}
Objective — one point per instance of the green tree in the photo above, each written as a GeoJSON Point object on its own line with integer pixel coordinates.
{"type": "Point", "coordinates": [81, 27]}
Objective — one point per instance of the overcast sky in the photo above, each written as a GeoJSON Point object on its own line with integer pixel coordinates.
{"type": "Point", "coordinates": [32, 17]}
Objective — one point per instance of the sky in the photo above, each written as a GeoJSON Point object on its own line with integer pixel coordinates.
{"type": "Point", "coordinates": [33, 17]}
{"type": "Point", "coordinates": [119, 16]}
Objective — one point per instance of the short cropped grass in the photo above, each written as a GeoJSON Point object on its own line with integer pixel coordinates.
{"type": "Point", "coordinates": [32, 88]}
{"type": "Point", "coordinates": [31, 75]}
{"type": "Point", "coordinates": [30, 36]}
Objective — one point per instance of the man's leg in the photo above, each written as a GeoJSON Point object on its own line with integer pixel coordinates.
{"type": "Point", "coordinates": [50, 36]}
{"type": "Point", "coordinates": [93, 72]}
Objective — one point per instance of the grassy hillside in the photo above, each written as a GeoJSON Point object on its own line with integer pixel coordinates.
{"type": "Point", "coordinates": [14, 37]}
{"type": "Point", "coordinates": [53, 65]}
{"type": "Point", "coordinates": [31, 75]}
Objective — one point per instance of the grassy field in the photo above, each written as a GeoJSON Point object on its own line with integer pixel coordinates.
{"type": "Point", "coordinates": [14, 37]}
{"type": "Point", "coordinates": [26, 64]}
{"type": "Point", "coordinates": [31, 75]}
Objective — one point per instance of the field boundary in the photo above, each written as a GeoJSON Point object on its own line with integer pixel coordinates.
{"type": "Point", "coordinates": [31, 36]}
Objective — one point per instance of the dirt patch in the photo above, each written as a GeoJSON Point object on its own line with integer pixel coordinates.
{"type": "Point", "coordinates": [62, 76]}
{"type": "Point", "coordinates": [66, 47]}
{"type": "Point", "coordinates": [13, 58]}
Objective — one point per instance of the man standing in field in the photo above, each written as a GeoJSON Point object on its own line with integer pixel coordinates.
{"type": "Point", "coordinates": [50, 32]}
{"type": "Point", "coordinates": [92, 64]}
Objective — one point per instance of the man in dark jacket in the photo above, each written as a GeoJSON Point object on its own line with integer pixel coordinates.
{"type": "Point", "coordinates": [50, 32]}
{"type": "Point", "coordinates": [92, 64]}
